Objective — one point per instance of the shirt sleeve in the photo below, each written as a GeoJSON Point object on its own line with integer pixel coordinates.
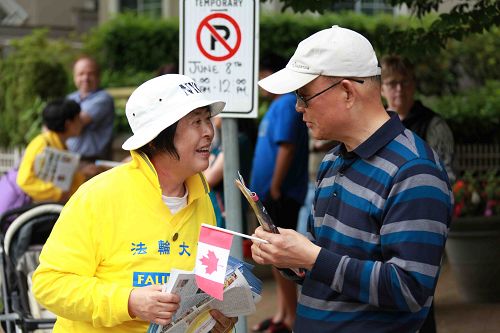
{"type": "Point", "coordinates": [440, 138]}
{"type": "Point", "coordinates": [101, 108]}
{"type": "Point", "coordinates": [65, 281]}
{"type": "Point", "coordinates": [414, 229]}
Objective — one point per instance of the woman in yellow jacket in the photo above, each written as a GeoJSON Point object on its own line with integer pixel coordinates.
{"type": "Point", "coordinates": [61, 119]}
{"type": "Point", "coordinates": [122, 232]}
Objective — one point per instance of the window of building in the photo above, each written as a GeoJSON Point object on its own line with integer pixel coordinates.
{"type": "Point", "coordinates": [369, 7]}
{"type": "Point", "coordinates": [151, 8]}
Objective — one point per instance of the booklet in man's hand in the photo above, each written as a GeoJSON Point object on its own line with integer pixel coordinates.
{"type": "Point", "coordinates": [258, 208]}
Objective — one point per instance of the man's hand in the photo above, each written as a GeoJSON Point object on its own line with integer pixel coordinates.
{"type": "Point", "coordinates": [223, 324]}
{"type": "Point", "coordinates": [151, 304]}
{"type": "Point", "coordinates": [288, 249]}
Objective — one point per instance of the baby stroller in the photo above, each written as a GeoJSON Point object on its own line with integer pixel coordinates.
{"type": "Point", "coordinates": [24, 230]}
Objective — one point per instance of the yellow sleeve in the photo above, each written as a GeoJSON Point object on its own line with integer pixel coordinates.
{"type": "Point", "coordinates": [33, 186]}
{"type": "Point", "coordinates": [65, 281]}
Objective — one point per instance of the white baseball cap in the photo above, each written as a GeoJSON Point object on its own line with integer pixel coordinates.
{"type": "Point", "coordinates": [160, 102]}
{"type": "Point", "coordinates": [331, 52]}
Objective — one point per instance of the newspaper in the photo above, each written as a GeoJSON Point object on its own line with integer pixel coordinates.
{"type": "Point", "coordinates": [193, 314]}
{"type": "Point", "coordinates": [56, 166]}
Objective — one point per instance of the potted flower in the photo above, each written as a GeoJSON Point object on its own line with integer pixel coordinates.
{"type": "Point", "coordinates": [477, 195]}
{"type": "Point", "coordinates": [473, 246]}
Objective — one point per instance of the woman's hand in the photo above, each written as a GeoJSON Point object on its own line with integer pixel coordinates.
{"type": "Point", "coordinates": [223, 324]}
{"type": "Point", "coordinates": [151, 304]}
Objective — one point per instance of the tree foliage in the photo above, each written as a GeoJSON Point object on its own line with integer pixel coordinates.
{"type": "Point", "coordinates": [32, 73]}
{"type": "Point", "coordinates": [463, 19]}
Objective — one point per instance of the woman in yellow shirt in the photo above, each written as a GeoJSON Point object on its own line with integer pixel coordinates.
{"type": "Point", "coordinates": [123, 231]}
{"type": "Point", "coordinates": [61, 121]}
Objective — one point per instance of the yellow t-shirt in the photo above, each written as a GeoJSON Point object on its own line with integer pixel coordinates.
{"type": "Point", "coordinates": [36, 188]}
{"type": "Point", "coordinates": [114, 234]}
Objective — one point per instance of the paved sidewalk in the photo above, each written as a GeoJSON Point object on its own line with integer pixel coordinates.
{"type": "Point", "coordinates": [453, 314]}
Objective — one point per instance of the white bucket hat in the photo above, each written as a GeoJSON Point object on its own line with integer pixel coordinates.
{"type": "Point", "coordinates": [160, 102]}
{"type": "Point", "coordinates": [331, 52]}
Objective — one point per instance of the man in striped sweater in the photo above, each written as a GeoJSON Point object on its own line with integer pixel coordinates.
{"type": "Point", "coordinates": [383, 202]}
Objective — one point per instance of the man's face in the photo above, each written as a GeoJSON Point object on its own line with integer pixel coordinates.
{"type": "Point", "coordinates": [399, 91]}
{"type": "Point", "coordinates": [85, 76]}
{"type": "Point", "coordinates": [192, 140]}
{"type": "Point", "coordinates": [324, 114]}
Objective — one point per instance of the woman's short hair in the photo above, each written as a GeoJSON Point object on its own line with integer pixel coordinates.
{"type": "Point", "coordinates": [164, 142]}
{"type": "Point", "coordinates": [397, 65]}
{"type": "Point", "coordinates": [56, 112]}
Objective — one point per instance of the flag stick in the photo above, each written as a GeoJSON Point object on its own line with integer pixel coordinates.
{"type": "Point", "coordinates": [235, 233]}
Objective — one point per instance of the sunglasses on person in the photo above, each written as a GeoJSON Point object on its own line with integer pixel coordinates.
{"type": "Point", "coordinates": [302, 101]}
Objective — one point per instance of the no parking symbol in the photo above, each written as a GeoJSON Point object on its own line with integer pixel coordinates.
{"type": "Point", "coordinates": [218, 37]}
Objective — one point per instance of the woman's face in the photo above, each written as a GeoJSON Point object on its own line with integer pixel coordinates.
{"type": "Point", "coordinates": [74, 126]}
{"type": "Point", "coordinates": [192, 140]}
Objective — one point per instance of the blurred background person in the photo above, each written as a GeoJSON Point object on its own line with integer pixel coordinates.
{"type": "Point", "coordinates": [398, 89]}
{"type": "Point", "coordinates": [61, 121]}
{"type": "Point", "coordinates": [98, 112]}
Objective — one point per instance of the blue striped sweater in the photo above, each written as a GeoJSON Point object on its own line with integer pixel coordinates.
{"type": "Point", "coordinates": [381, 214]}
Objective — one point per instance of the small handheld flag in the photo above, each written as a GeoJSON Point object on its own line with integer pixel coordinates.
{"type": "Point", "coordinates": [211, 260]}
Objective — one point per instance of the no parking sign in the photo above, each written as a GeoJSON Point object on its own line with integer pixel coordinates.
{"type": "Point", "coordinates": [219, 50]}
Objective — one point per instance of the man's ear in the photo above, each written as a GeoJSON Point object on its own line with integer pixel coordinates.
{"type": "Point", "coordinates": [349, 92]}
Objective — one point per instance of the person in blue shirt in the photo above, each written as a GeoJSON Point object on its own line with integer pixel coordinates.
{"type": "Point", "coordinates": [280, 178]}
{"type": "Point", "coordinates": [98, 112]}
{"type": "Point", "coordinates": [382, 204]}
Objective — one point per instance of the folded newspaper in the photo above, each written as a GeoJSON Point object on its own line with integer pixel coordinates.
{"type": "Point", "coordinates": [56, 166]}
{"type": "Point", "coordinates": [242, 290]}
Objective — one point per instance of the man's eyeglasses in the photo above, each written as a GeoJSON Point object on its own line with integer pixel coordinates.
{"type": "Point", "coordinates": [302, 102]}
{"type": "Point", "coordinates": [394, 83]}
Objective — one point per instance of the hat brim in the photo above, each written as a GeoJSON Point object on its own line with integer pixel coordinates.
{"type": "Point", "coordinates": [147, 135]}
{"type": "Point", "coordinates": [285, 81]}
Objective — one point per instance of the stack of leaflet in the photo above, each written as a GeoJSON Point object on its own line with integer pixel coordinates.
{"type": "Point", "coordinates": [246, 269]}
{"type": "Point", "coordinates": [242, 290]}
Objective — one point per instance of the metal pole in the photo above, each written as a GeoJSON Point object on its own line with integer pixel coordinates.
{"type": "Point", "coordinates": [232, 196]}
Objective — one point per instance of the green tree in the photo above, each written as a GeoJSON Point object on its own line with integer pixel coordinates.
{"type": "Point", "coordinates": [32, 73]}
{"type": "Point", "coordinates": [463, 19]}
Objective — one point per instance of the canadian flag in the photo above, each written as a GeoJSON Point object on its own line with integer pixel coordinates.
{"type": "Point", "coordinates": [211, 259]}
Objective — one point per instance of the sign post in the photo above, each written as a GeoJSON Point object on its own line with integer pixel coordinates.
{"type": "Point", "coordinates": [219, 50]}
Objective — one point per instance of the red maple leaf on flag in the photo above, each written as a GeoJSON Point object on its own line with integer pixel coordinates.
{"type": "Point", "coordinates": [210, 261]}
